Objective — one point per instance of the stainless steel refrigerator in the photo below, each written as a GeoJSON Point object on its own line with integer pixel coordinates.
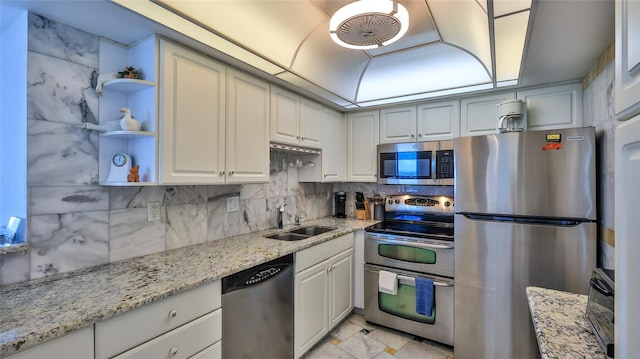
{"type": "Point", "coordinates": [525, 216]}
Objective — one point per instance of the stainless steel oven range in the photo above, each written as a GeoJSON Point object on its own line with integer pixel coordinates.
{"type": "Point", "coordinates": [415, 240]}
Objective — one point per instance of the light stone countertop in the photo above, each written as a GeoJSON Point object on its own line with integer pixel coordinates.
{"type": "Point", "coordinates": [561, 325]}
{"type": "Point", "coordinates": [37, 311]}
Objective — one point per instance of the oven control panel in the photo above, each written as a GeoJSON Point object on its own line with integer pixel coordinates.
{"type": "Point", "coordinates": [423, 204]}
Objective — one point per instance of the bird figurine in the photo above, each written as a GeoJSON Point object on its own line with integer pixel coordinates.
{"type": "Point", "coordinates": [128, 123]}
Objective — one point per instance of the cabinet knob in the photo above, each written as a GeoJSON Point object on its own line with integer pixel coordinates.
{"type": "Point", "coordinates": [302, 138]}
{"type": "Point", "coordinates": [419, 135]}
{"type": "Point", "coordinates": [297, 137]}
{"type": "Point", "coordinates": [412, 135]}
{"type": "Point", "coordinates": [221, 173]}
{"type": "Point", "coordinates": [325, 174]}
{"type": "Point", "coordinates": [173, 351]}
{"type": "Point", "coordinates": [231, 173]}
{"type": "Point", "coordinates": [172, 314]}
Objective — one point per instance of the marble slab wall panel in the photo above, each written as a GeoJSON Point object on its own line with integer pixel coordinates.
{"type": "Point", "coordinates": [131, 235]}
{"type": "Point", "coordinates": [66, 242]}
{"type": "Point", "coordinates": [60, 91]}
{"type": "Point", "coordinates": [64, 42]}
{"type": "Point", "coordinates": [60, 155]}
{"type": "Point", "coordinates": [598, 111]}
{"type": "Point", "coordinates": [53, 200]}
{"type": "Point", "coordinates": [135, 197]}
{"type": "Point", "coordinates": [186, 225]}
{"type": "Point", "coordinates": [14, 268]}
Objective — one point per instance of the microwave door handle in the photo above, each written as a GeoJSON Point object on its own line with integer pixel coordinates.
{"type": "Point", "coordinates": [415, 244]}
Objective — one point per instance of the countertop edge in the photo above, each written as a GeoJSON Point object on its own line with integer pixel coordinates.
{"type": "Point", "coordinates": [163, 266]}
{"type": "Point", "coordinates": [561, 326]}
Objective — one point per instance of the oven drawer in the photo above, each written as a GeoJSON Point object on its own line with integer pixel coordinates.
{"type": "Point", "coordinates": [398, 311]}
{"type": "Point", "coordinates": [424, 255]}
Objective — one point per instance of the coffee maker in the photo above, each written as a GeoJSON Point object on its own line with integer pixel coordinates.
{"type": "Point", "coordinates": [340, 204]}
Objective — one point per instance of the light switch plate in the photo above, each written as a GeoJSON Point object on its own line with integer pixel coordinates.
{"type": "Point", "coordinates": [233, 204]}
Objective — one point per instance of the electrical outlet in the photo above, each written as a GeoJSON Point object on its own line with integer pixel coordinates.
{"type": "Point", "coordinates": [233, 204]}
{"type": "Point", "coordinates": [153, 211]}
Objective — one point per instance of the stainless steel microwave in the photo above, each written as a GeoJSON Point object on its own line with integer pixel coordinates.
{"type": "Point", "coordinates": [418, 163]}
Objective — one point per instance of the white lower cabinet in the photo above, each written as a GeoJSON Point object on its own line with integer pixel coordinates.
{"type": "Point", "coordinates": [177, 327]}
{"type": "Point", "coordinates": [77, 345]}
{"type": "Point", "coordinates": [323, 290]}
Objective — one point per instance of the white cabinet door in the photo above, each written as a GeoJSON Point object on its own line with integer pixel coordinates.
{"type": "Point", "coordinates": [479, 115]}
{"type": "Point", "coordinates": [439, 121]}
{"type": "Point", "coordinates": [341, 291]}
{"type": "Point", "coordinates": [398, 124]}
{"type": "Point", "coordinates": [627, 59]}
{"type": "Point", "coordinates": [333, 144]}
{"type": "Point", "coordinates": [77, 345]}
{"type": "Point", "coordinates": [285, 109]}
{"type": "Point", "coordinates": [311, 306]}
{"type": "Point", "coordinates": [627, 266]}
{"type": "Point", "coordinates": [311, 122]}
{"type": "Point", "coordinates": [362, 142]}
{"type": "Point", "coordinates": [192, 117]}
{"type": "Point", "coordinates": [247, 128]}
{"type": "Point", "coordinates": [553, 107]}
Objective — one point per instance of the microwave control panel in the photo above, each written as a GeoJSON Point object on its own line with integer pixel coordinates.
{"type": "Point", "coordinates": [444, 164]}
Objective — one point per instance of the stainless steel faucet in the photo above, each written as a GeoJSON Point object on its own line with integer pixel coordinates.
{"type": "Point", "coordinates": [279, 214]}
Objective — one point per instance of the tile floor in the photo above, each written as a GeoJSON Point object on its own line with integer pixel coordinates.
{"type": "Point", "coordinates": [355, 338]}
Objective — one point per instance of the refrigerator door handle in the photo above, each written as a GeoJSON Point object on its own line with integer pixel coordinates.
{"type": "Point", "coordinates": [566, 222]}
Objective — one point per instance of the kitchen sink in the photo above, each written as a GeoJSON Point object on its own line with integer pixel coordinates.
{"type": "Point", "coordinates": [300, 233]}
{"type": "Point", "coordinates": [312, 231]}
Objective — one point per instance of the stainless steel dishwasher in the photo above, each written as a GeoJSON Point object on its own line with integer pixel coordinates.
{"type": "Point", "coordinates": [257, 311]}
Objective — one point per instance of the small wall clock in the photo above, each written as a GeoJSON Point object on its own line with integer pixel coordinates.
{"type": "Point", "coordinates": [120, 166]}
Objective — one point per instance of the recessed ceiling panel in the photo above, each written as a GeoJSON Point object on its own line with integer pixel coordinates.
{"type": "Point", "coordinates": [329, 65]}
{"type": "Point", "coordinates": [510, 34]}
{"type": "Point", "coordinates": [273, 29]}
{"type": "Point", "coordinates": [425, 69]}
{"type": "Point", "coordinates": [463, 23]}
{"type": "Point", "coordinates": [503, 7]}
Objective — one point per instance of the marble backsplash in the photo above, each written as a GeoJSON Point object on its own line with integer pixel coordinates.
{"type": "Point", "coordinates": [75, 223]}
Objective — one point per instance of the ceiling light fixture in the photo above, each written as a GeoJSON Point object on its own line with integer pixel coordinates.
{"type": "Point", "coordinates": [369, 24]}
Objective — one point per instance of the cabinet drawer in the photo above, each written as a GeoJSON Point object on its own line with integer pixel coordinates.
{"type": "Point", "coordinates": [316, 254]}
{"type": "Point", "coordinates": [181, 343]}
{"type": "Point", "coordinates": [123, 332]}
{"type": "Point", "coordinates": [212, 352]}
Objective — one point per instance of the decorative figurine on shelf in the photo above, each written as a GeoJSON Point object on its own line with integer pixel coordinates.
{"type": "Point", "coordinates": [133, 175]}
{"type": "Point", "coordinates": [128, 123]}
{"type": "Point", "coordinates": [129, 72]}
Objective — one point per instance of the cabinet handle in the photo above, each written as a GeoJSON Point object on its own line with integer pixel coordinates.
{"type": "Point", "coordinates": [172, 314]}
{"type": "Point", "coordinates": [173, 351]}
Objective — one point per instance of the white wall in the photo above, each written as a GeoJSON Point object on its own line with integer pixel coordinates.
{"type": "Point", "coordinates": [13, 115]}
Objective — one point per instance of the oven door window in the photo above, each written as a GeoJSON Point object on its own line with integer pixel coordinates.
{"type": "Point", "coordinates": [403, 304]}
{"type": "Point", "coordinates": [407, 253]}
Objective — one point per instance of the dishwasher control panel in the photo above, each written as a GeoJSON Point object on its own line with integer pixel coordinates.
{"type": "Point", "coordinates": [262, 275]}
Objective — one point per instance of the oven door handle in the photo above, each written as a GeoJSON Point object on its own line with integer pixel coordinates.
{"type": "Point", "coordinates": [412, 281]}
{"type": "Point", "coordinates": [413, 244]}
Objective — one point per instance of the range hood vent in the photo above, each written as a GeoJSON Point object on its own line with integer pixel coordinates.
{"type": "Point", "coordinates": [291, 148]}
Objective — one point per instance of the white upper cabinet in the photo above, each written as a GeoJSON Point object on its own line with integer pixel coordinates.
{"type": "Point", "coordinates": [627, 60]}
{"type": "Point", "coordinates": [362, 142]}
{"type": "Point", "coordinates": [247, 128]}
{"type": "Point", "coordinates": [330, 165]}
{"type": "Point", "coordinates": [139, 95]}
{"type": "Point", "coordinates": [553, 107]}
{"type": "Point", "coordinates": [285, 110]}
{"type": "Point", "coordinates": [295, 120]}
{"type": "Point", "coordinates": [479, 115]}
{"type": "Point", "coordinates": [398, 124]}
{"type": "Point", "coordinates": [311, 123]}
{"type": "Point", "coordinates": [439, 120]}
{"type": "Point", "coordinates": [192, 117]}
